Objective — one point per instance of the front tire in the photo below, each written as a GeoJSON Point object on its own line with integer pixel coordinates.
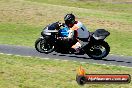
{"type": "Point", "coordinates": [42, 46]}
{"type": "Point", "coordinates": [98, 50]}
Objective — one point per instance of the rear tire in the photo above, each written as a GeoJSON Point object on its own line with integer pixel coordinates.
{"type": "Point", "coordinates": [43, 47]}
{"type": "Point", "coordinates": [94, 50]}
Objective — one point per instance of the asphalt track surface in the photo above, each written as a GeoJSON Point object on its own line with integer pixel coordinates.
{"type": "Point", "coordinates": [28, 51]}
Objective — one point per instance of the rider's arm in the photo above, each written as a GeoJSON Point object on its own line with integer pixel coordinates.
{"type": "Point", "coordinates": [75, 27]}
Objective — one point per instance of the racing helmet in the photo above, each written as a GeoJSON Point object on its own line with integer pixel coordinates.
{"type": "Point", "coordinates": [69, 19]}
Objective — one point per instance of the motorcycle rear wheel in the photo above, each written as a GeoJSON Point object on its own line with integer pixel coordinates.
{"type": "Point", "coordinates": [98, 50]}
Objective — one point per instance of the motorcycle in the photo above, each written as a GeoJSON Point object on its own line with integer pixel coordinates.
{"type": "Point", "coordinates": [51, 40]}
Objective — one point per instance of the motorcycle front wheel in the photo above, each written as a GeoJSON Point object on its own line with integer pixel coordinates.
{"type": "Point", "coordinates": [42, 46]}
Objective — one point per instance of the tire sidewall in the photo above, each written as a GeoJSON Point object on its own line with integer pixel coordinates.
{"type": "Point", "coordinates": [102, 43]}
{"type": "Point", "coordinates": [41, 51]}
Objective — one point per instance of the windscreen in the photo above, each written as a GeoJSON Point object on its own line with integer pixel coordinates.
{"type": "Point", "coordinates": [53, 26]}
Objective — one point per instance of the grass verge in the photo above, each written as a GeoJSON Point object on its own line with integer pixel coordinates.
{"type": "Point", "coordinates": [106, 5]}
{"type": "Point", "coordinates": [18, 34]}
{"type": "Point", "coordinates": [25, 72]}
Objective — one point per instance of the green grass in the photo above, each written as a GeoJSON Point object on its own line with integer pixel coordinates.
{"type": "Point", "coordinates": [21, 21]}
{"type": "Point", "coordinates": [113, 5]}
{"type": "Point", "coordinates": [18, 34]}
{"type": "Point", "coordinates": [24, 72]}
{"type": "Point", "coordinates": [120, 42]}
{"type": "Point", "coordinates": [123, 9]}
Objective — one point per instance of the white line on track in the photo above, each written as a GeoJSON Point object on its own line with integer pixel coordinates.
{"type": "Point", "coordinates": [122, 55]}
{"type": "Point", "coordinates": [56, 59]}
{"type": "Point", "coordinates": [46, 58]}
{"type": "Point", "coordinates": [19, 55]}
{"type": "Point", "coordinates": [1, 53]}
{"type": "Point", "coordinates": [65, 60]}
{"type": "Point", "coordinates": [74, 61]}
{"type": "Point", "coordinates": [83, 62]}
{"type": "Point", "coordinates": [9, 54]}
{"type": "Point", "coordinates": [27, 56]}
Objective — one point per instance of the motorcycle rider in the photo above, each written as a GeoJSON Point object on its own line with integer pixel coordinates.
{"type": "Point", "coordinates": [78, 31]}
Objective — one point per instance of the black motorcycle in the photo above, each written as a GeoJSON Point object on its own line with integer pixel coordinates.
{"type": "Point", "coordinates": [51, 40]}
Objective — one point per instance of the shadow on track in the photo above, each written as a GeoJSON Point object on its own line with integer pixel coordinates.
{"type": "Point", "coordinates": [85, 57]}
